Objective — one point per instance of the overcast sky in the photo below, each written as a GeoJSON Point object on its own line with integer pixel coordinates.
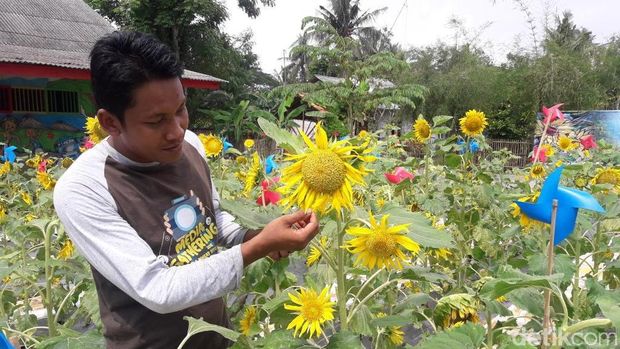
{"type": "Point", "coordinates": [417, 23]}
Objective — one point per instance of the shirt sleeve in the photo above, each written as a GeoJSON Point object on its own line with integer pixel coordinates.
{"type": "Point", "coordinates": [116, 250]}
{"type": "Point", "coordinates": [229, 232]}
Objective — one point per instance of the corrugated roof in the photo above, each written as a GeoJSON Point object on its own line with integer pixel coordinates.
{"type": "Point", "coordinates": [55, 32]}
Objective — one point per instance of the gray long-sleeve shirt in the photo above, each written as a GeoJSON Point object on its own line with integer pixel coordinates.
{"type": "Point", "coordinates": [150, 232]}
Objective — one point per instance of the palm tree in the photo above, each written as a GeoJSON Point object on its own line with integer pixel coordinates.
{"type": "Point", "coordinates": [345, 19]}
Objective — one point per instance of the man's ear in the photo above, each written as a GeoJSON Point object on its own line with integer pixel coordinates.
{"type": "Point", "coordinates": [109, 122]}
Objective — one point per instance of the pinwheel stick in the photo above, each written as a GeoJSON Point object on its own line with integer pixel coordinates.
{"type": "Point", "coordinates": [547, 325]}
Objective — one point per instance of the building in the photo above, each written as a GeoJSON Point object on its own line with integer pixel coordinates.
{"type": "Point", "coordinates": [45, 91]}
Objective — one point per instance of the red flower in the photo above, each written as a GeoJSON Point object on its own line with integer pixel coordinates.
{"type": "Point", "coordinates": [42, 166]}
{"type": "Point", "coordinates": [553, 113]}
{"type": "Point", "coordinates": [271, 197]}
{"type": "Point", "coordinates": [542, 156]}
{"type": "Point", "coordinates": [88, 144]}
{"type": "Point", "coordinates": [588, 142]}
{"type": "Point", "coordinates": [399, 175]}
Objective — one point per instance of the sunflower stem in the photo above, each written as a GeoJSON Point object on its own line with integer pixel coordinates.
{"type": "Point", "coordinates": [369, 296]}
{"type": "Point", "coordinates": [366, 283]}
{"type": "Point", "coordinates": [342, 301]}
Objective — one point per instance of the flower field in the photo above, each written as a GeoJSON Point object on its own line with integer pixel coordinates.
{"type": "Point", "coordinates": [428, 252]}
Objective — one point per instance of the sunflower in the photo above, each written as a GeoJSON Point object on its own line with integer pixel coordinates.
{"type": "Point", "coordinates": [248, 143]}
{"type": "Point", "coordinates": [312, 311]}
{"type": "Point", "coordinates": [322, 177]}
{"type": "Point", "coordinates": [440, 253]}
{"type": "Point", "coordinates": [26, 198]}
{"type": "Point", "coordinates": [537, 171]}
{"type": "Point", "coordinates": [213, 145]}
{"type": "Point", "coordinates": [548, 148]}
{"type": "Point", "coordinates": [315, 254]}
{"type": "Point", "coordinates": [67, 250]}
{"type": "Point", "coordinates": [473, 123]}
{"type": "Point", "coordinates": [380, 202]}
{"type": "Point", "coordinates": [46, 181]}
{"type": "Point", "coordinates": [566, 144]}
{"type": "Point", "coordinates": [608, 176]}
{"type": "Point", "coordinates": [456, 309]}
{"type": "Point", "coordinates": [249, 317]}
{"type": "Point", "coordinates": [380, 245]}
{"type": "Point", "coordinates": [252, 175]}
{"type": "Point", "coordinates": [34, 161]}
{"type": "Point", "coordinates": [581, 182]}
{"type": "Point", "coordinates": [66, 162]}
{"type": "Point", "coordinates": [2, 212]}
{"type": "Point", "coordinates": [394, 333]}
{"type": "Point", "coordinates": [95, 132]}
{"type": "Point", "coordinates": [422, 130]}
{"type": "Point", "coordinates": [5, 168]}
{"type": "Point", "coordinates": [29, 217]}
{"type": "Point", "coordinates": [363, 134]}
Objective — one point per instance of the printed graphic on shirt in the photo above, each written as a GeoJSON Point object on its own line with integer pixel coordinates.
{"type": "Point", "coordinates": [193, 231]}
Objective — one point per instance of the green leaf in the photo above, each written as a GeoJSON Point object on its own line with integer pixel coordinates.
{"type": "Point", "coordinates": [441, 130]}
{"type": "Point", "coordinates": [283, 138]}
{"type": "Point", "coordinates": [452, 160]}
{"type": "Point", "coordinates": [275, 302]}
{"type": "Point", "coordinates": [468, 336]}
{"type": "Point", "coordinates": [246, 216]}
{"type": "Point", "coordinates": [344, 340]}
{"type": "Point", "coordinates": [499, 287]}
{"type": "Point", "coordinates": [360, 323]}
{"type": "Point", "coordinates": [610, 306]}
{"type": "Point", "coordinates": [394, 320]}
{"type": "Point", "coordinates": [280, 339]}
{"type": "Point", "coordinates": [419, 227]}
{"type": "Point", "coordinates": [70, 339]}
{"type": "Point", "coordinates": [198, 325]}
{"type": "Point", "coordinates": [441, 119]}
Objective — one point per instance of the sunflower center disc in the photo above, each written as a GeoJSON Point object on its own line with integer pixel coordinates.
{"type": "Point", "coordinates": [381, 244]}
{"type": "Point", "coordinates": [311, 311]}
{"type": "Point", "coordinates": [323, 171]}
{"type": "Point", "coordinates": [473, 124]}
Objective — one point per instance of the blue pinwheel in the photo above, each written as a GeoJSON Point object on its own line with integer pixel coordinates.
{"type": "Point", "coordinates": [227, 145]}
{"type": "Point", "coordinates": [270, 164]}
{"type": "Point", "coordinates": [569, 202]}
{"type": "Point", "coordinates": [9, 154]}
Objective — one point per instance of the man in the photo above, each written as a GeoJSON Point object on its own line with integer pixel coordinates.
{"type": "Point", "coordinates": [141, 207]}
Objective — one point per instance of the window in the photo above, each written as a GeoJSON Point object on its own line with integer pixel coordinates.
{"type": "Point", "coordinates": [28, 100]}
{"type": "Point", "coordinates": [5, 99]}
{"type": "Point", "coordinates": [62, 102]}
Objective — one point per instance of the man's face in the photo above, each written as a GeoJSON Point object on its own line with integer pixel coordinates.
{"type": "Point", "coordinates": [155, 124]}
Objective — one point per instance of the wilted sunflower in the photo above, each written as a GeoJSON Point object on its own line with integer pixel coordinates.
{"type": "Point", "coordinates": [322, 177]}
{"type": "Point", "coordinates": [95, 132]}
{"type": "Point", "coordinates": [249, 317]}
{"type": "Point", "coordinates": [252, 175]}
{"type": "Point", "coordinates": [581, 181]}
{"type": "Point", "coordinates": [608, 176]}
{"type": "Point", "coordinates": [312, 311]}
{"type": "Point", "coordinates": [213, 145]}
{"type": "Point", "coordinates": [456, 309]}
{"type": "Point", "coordinates": [566, 144]}
{"type": "Point", "coordinates": [394, 333]}
{"type": "Point", "coordinates": [422, 130]}
{"type": "Point", "coordinates": [34, 161]}
{"type": "Point", "coordinates": [380, 245]}
{"type": "Point", "coordinates": [66, 162]}
{"type": "Point", "coordinates": [473, 123]}
{"type": "Point", "coordinates": [315, 254]}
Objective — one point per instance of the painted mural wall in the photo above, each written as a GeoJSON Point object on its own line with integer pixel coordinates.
{"type": "Point", "coordinates": [603, 124]}
{"type": "Point", "coordinates": [59, 134]}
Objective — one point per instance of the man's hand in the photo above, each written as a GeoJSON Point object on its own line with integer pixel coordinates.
{"type": "Point", "coordinates": [292, 232]}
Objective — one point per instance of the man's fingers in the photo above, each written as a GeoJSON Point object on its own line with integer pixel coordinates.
{"type": "Point", "coordinates": [293, 217]}
{"type": "Point", "coordinates": [312, 228]}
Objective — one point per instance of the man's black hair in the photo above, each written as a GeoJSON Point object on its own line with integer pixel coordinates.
{"type": "Point", "coordinates": [121, 62]}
